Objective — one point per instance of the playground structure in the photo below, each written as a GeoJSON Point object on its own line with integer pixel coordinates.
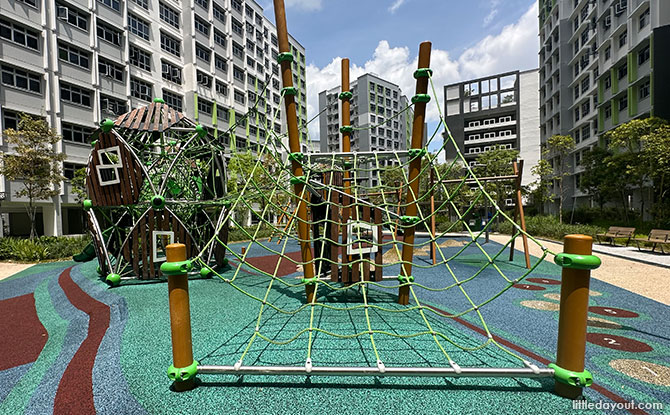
{"type": "Point", "coordinates": [154, 178]}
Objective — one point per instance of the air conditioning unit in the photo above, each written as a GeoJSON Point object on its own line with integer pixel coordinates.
{"type": "Point", "coordinates": [608, 21]}
{"type": "Point", "coordinates": [63, 13]}
{"type": "Point", "coordinates": [620, 7]}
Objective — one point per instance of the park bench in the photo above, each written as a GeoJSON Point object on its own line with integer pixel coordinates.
{"type": "Point", "coordinates": [616, 232]}
{"type": "Point", "coordinates": [658, 237]}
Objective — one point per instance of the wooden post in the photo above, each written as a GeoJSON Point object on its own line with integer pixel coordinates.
{"type": "Point", "coordinates": [294, 146]}
{"type": "Point", "coordinates": [180, 317]}
{"type": "Point", "coordinates": [572, 316]}
{"type": "Point", "coordinates": [433, 245]}
{"type": "Point", "coordinates": [518, 171]}
{"type": "Point", "coordinates": [346, 148]}
{"type": "Point", "coordinates": [414, 169]}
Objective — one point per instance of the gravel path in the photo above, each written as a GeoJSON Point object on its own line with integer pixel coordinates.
{"type": "Point", "coordinates": [647, 280]}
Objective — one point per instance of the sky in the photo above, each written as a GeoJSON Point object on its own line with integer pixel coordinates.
{"type": "Point", "coordinates": [470, 39]}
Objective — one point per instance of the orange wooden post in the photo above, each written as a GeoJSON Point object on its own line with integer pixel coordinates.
{"type": "Point", "coordinates": [184, 368]}
{"type": "Point", "coordinates": [518, 171]}
{"type": "Point", "coordinates": [346, 130]}
{"type": "Point", "coordinates": [433, 244]}
{"type": "Point", "coordinates": [414, 169]}
{"type": "Point", "coordinates": [577, 263]}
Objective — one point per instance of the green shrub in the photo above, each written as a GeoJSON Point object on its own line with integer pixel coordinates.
{"type": "Point", "coordinates": [29, 250]}
{"type": "Point", "coordinates": [549, 227]}
{"type": "Point", "coordinates": [42, 248]}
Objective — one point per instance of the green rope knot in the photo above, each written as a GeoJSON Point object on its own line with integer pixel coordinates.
{"type": "Point", "coordinates": [299, 157]}
{"type": "Point", "coordinates": [285, 57]}
{"type": "Point", "coordinates": [289, 90]}
{"type": "Point", "coordinates": [176, 268]}
{"type": "Point", "coordinates": [423, 73]}
{"type": "Point", "coordinates": [416, 152]}
{"type": "Point", "coordinates": [201, 130]}
{"type": "Point", "coordinates": [106, 125]}
{"type": "Point", "coordinates": [346, 95]}
{"type": "Point", "coordinates": [423, 98]}
{"type": "Point", "coordinates": [404, 279]}
{"type": "Point", "coordinates": [410, 220]}
{"type": "Point", "coordinates": [575, 261]}
{"type": "Point", "coordinates": [309, 281]}
{"type": "Point", "coordinates": [298, 180]}
{"type": "Point", "coordinates": [570, 377]}
{"type": "Point", "coordinates": [346, 129]}
{"type": "Point", "coordinates": [181, 374]}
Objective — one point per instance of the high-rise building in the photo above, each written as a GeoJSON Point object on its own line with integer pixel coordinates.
{"type": "Point", "coordinates": [497, 111]}
{"type": "Point", "coordinates": [78, 62]}
{"type": "Point", "coordinates": [377, 104]}
{"type": "Point", "coordinates": [601, 65]}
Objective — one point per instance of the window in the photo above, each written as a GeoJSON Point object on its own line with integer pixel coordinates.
{"type": "Point", "coordinates": [73, 55]}
{"type": "Point", "coordinates": [170, 44]}
{"type": "Point", "coordinates": [169, 15]}
{"type": "Point", "coordinates": [576, 92]}
{"type": "Point", "coordinates": [204, 79]}
{"type": "Point", "coordinates": [623, 38]}
{"type": "Point", "coordinates": [112, 105]}
{"type": "Point", "coordinates": [586, 108]}
{"type": "Point", "coordinates": [577, 114]}
{"type": "Point", "coordinates": [140, 89]}
{"type": "Point", "coordinates": [75, 95]}
{"type": "Point", "coordinates": [608, 52]}
{"type": "Point", "coordinates": [76, 133]}
{"type": "Point", "coordinates": [19, 78]}
{"type": "Point", "coordinates": [220, 63]}
{"type": "Point", "coordinates": [608, 82]}
{"type": "Point", "coordinates": [222, 88]}
{"type": "Point", "coordinates": [219, 38]}
{"type": "Point", "coordinates": [109, 165]}
{"type": "Point", "coordinates": [202, 53]}
{"type": "Point", "coordinates": [643, 55]}
{"type": "Point", "coordinates": [171, 72]}
{"type": "Point", "coordinates": [623, 103]}
{"type": "Point", "coordinates": [236, 5]}
{"type": "Point", "coordinates": [142, 3]}
{"type": "Point", "coordinates": [238, 73]}
{"type": "Point", "coordinates": [644, 90]}
{"type": "Point", "coordinates": [237, 26]}
{"type": "Point", "coordinates": [239, 96]}
{"type": "Point", "coordinates": [219, 13]}
{"type": "Point", "coordinates": [608, 111]}
{"type": "Point", "coordinates": [140, 58]}
{"type": "Point", "coordinates": [238, 50]}
{"type": "Point", "coordinates": [19, 35]}
{"type": "Point", "coordinates": [204, 106]}
{"type": "Point", "coordinates": [108, 33]}
{"type": "Point", "coordinates": [138, 26]}
{"type": "Point", "coordinates": [201, 26]}
{"type": "Point", "coordinates": [70, 168]}
{"type": "Point", "coordinates": [586, 83]}
{"type": "Point", "coordinates": [644, 19]}
{"type": "Point", "coordinates": [586, 132]}
{"type": "Point", "coordinates": [112, 4]}
{"type": "Point", "coordinates": [73, 16]}
{"type": "Point", "coordinates": [110, 69]}
{"type": "Point", "coordinates": [623, 71]}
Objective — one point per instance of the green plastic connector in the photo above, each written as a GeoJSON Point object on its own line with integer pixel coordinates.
{"type": "Point", "coordinates": [206, 272]}
{"type": "Point", "coordinates": [423, 73]}
{"type": "Point", "coordinates": [410, 220]}
{"type": "Point", "coordinates": [310, 281]}
{"type": "Point", "coordinates": [227, 203]}
{"type": "Point", "coordinates": [405, 279]}
{"type": "Point", "coordinates": [87, 204]}
{"type": "Point", "coordinates": [106, 125]}
{"type": "Point", "coordinates": [298, 180]}
{"type": "Point", "coordinates": [296, 157]}
{"type": "Point", "coordinates": [416, 152]}
{"type": "Point", "coordinates": [93, 143]}
{"type": "Point", "coordinates": [159, 100]}
{"type": "Point", "coordinates": [176, 268]}
{"type": "Point", "coordinates": [289, 90]}
{"type": "Point", "coordinates": [347, 164]}
{"type": "Point", "coordinates": [98, 270]}
{"type": "Point", "coordinates": [285, 57]}
{"type": "Point", "coordinates": [113, 280]}
{"type": "Point", "coordinates": [181, 374]}
{"type": "Point", "coordinates": [423, 98]}
{"type": "Point", "coordinates": [346, 95]}
{"type": "Point", "coordinates": [224, 261]}
{"type": "Point", "coordinates": [346, 129]}
{"type": "Point", "coordinates": [201, 130]}
{"type": "Point", "coordinates": [569, 377]}
{"type": "Point", "coordinates": [158, 202]}
{"type": "Point", "coordinates": [575, 261]}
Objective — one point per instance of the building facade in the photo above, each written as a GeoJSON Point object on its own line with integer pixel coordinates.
{"type": "Point", "coordinates": [376, 105]}
{"type": "Point", "coordinates": [601, 65]}
{"type": "Point", "coordinates": [493, 112]}
{"type": "Point", "coordinates": [77, 62]}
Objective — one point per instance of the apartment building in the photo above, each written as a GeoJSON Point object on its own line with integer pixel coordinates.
{"type": "Point", "coordinates": [77, 62]}
{"type": "Point", "coordinates": [601, 63]}
{"type": "Point", "coordinates": [492, 112]}
{"type": "Point", "coordinates": [378, 106]}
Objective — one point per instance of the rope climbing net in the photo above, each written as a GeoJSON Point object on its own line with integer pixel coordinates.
{"type": "Point", "coordinates": [359, 225]}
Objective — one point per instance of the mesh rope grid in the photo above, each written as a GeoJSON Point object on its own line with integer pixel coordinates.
{"type": "Point", "coordinates": [369, 163]}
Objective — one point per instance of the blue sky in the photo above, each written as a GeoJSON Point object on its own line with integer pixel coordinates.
{"type": "Point", "coordinates": [471, 38]}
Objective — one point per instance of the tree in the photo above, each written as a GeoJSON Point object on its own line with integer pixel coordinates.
{"type": "Point", "coordinates": [541, 189]}
{"type": "Point", "coordinates": [497, 162]}
{"type": "Point", "coordinates": [34, 162]}
{"type": "Point", "coordinates": [656, 151]}
{"type": "Point", "coordinates": [558, 149]}
{"type": "Point", "coordinates": [78, 183]}
{"type": "Point", "coordinates": [601, 177]}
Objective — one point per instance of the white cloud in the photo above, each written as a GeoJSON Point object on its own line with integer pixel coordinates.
{"type": "Point", "coordinates": [306, 5]}
{"type": "Point", "coordinates": [515, 47]}
{"type": "Point", "coordinates": [396, 5]}
{"type": "Point", "coordinates": [492, 13]}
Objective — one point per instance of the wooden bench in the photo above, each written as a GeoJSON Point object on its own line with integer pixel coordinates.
{"type": "Point", "coordinates": [658, 237]}
{"type": "Point", "coordinates": [616, 232]}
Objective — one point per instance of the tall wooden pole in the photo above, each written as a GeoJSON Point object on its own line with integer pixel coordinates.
{"type": "Point", "coordinates": [346, 116]}
{"type": "Point", "coordinates": [433, 244]}
{"type": "Point", "coordinates": [414, 169]}
{"type": "Point", "coordinates": [518, 171]}
{"type": "Point", "coordinates": [346, 148]}
{"type": "Point", "coordinates": [294, 146]}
